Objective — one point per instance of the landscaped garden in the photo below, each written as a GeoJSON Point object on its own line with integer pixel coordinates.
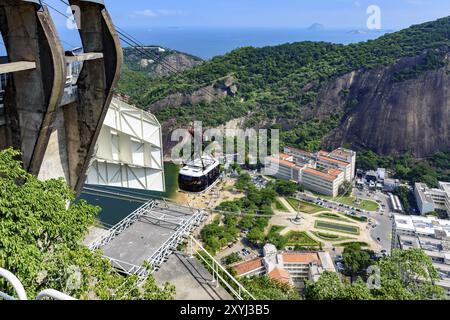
{"type": "Point", "coordinates": [280, 207]}
{"type": "Point", "coordinates": [367, 205]}
{"type": "Point", "coordinates": [300, 239]}
{"type": "Point", "coordinates": [344, 228]}
{"type": "Point", "coordinates": [305, 207]}
{"type": "Point", "coordinates": [333, 216]}
{"type": "Point", "coordinates": [329, 237]}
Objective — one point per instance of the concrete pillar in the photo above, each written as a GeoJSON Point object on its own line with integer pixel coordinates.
{"type": "Point", "coordinates": [32, 96]}
{"type": "Point", "coordinates": [95, 85]}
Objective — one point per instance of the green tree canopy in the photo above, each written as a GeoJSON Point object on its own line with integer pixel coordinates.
{"type": "Point", "coordinates": [41, 236]}
{"type": "Point", "coordinates": [404, 275]}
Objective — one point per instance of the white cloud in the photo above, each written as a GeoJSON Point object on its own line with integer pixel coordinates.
{"type": "Point", "coordinates": [166, 12]}
{"type": "Point", "coordinates": [160, 12]}
{"type": "Point", "coordinates": [146, 13]}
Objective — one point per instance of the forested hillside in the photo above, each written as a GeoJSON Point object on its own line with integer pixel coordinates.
{"type": "Point", "coordinates": [312, 89]}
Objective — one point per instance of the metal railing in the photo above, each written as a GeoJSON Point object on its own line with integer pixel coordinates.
{"type": "Point", "coordinates": [218, 272]}
{"type": "Point", "coordinates": [123, 225]}
{"type": "Point", "coordinates": [20, 290]}
{"type": "Point", "coordinates": [178, 237]}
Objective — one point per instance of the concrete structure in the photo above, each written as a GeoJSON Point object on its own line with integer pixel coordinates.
{"type": "Point", "coordinates": [55, 129]}
{"type": "Point", "coordinates": [149, 235]}
{"type": "Point", "coordinates": [129, 150]}
{"type": "Point", "coordinates": [429, 234]}
{"type": "Point", "coordinates": [430, 200]}
{"type": "Point", "coordinates": [293, 268]}
{"type": "Point", "coordinates": [325, 182]}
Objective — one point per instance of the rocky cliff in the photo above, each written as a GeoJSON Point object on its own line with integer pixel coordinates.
{"type": "Point", "coordinates": [389, 114]}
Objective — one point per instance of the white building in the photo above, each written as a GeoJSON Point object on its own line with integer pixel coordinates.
{"type": "Point", "coordinates": [429, 234]}
{"type": "Point", "coordinates": [430, 200]}
{"type": "Point", "coordinates": [348, 156]}
{"type": "Point", "coordinates": [322, 172]}
{"type": "Point", "coordinates": [129, 150]}
{"type": "Point", "coordinates": [283, 168]}
{"type": "Point", "coordinates": [326, 161]}
{"type": "Point", "coordinates": [326, 182]}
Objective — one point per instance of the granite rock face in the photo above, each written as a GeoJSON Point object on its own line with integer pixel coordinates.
{"type": "Point", "coordinates": [387, 115]}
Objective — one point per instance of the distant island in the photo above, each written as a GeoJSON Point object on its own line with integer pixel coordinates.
{"type": "Point", "coordinates": [316, 27]}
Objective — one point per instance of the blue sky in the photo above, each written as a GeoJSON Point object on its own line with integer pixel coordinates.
{"type": "Point", "coordinates": [396, 14]}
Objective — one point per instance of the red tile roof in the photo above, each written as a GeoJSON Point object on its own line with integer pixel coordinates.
{"type": "Point", "coordinates": [285, 163]}
{"type": "Point", "coordinates": [248, 266]}
{"type": "Point", "coordinates": [324, 175]}
{"type": "Point", "coordinates": [338, 162]}
{"type": "Point", "coordinates": [301, 257]}
{"type": "Point", "coordinates": [280, 275]}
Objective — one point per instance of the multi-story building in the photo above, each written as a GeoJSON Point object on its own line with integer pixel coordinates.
{"type": "Point", "coordinates": [322, 172]}
{"type": "Point", "coordinates": [348, 156]}
{"type": "Point", "coordinates": [325, 181]}
{"type": "Point", "coordinates": [430, 234]}
{"type": "Point", "coordinates": [283, 168]}
{"type": "Point", "coordinates": [289, 267]}
{"type": "Point", "coordinates": [301, 157]}
{"type": "Point", "coordinates": [325, 161]}
{"type": "Point", "coordinates": [430, 200]}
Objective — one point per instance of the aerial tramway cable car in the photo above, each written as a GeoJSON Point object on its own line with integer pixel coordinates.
{"type": "Point", "coordinates": [199, 174]}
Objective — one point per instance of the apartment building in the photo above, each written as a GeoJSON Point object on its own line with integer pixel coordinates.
{"type": "Point", "coordinates": [322, 172]}
{"type": "Point", "coordinates": [430, 234]}
{"type": "Point", "coordinates": [325, 181]}
{"type": "Point", "coordinates": [301, 157]}
{"type": "Point", "coordinates": [293, 268]}
{"type": "Point", "coordinates": [348, 156]}
{"type": "Point", "coordinates": [325, 161]}
{"type": "Point", "coordinates": [283, 168]}
{"type": "Point", "coordinates": [432, 199]}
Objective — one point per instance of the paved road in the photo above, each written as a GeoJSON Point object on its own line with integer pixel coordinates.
{"type": "Point", "coordinates": [383, 229]}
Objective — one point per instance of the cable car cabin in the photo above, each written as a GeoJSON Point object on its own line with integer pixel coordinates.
{"type": "Point", "coordinates": [198, 175]}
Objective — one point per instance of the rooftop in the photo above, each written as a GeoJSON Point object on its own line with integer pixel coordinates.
{"type": "Point", "coordinates": [341, 152]}
{"type": "Point", "coordinates": [330, 175]}
{"type": "Point", "coordinates": [300, 257]}
{"type": "Point", "coordinates": [199, 167]}
{"type": "Point", "coordinates": [248, 266]}
{"type": "Point", "coordinates": [280, 275]}
{"type": "Point", "coordinates": [286, 163]}
{"type": "Point", "coordinates": [331, 160]}
{"type": "Point", "coordinates": [422, 225]}
{"type": "Point", "coordinates": [303, 152]}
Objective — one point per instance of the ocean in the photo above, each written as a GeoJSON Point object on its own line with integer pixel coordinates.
{"type": "Point", "coordinates": [209, 42]}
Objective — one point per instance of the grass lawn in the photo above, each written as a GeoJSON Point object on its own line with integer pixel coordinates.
{"type": "Point", "coordinates": [301, 239]}
{"type": "Point", "coordinates": [280, 207]}
{"type": "Point", "coordinates": [366, 205]}
{"type": "Point", "coordinates": [333, 216]}
{"type": "Point", "coordinates": [363, 244]}
{"type": "Point", "coordinates": [329, 237]}
{"type": "Point", "coordinates": [276, 229]}
{"type": "Point", "coordinates": [305, 207]}
{"type": "Point", "coordinates": [343, 228]}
